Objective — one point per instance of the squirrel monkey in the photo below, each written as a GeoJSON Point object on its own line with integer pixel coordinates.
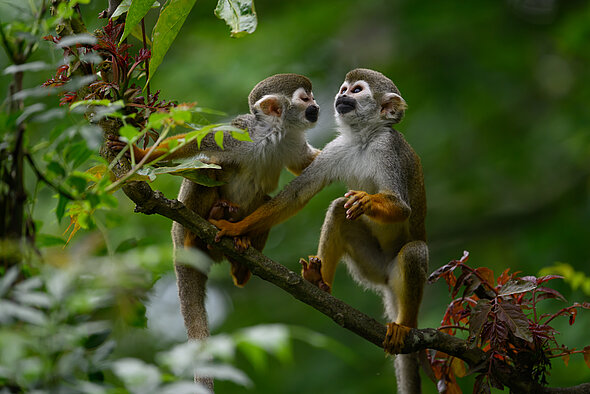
{"type": "Point", "coordinates": [378, 226]}
{"type": "Point", "coordinates": [282, 108]}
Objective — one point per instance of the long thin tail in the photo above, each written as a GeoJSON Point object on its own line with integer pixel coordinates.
{"type": "Point", "coordinates": [407, 373]}
{"type": "Point", "coordinates": [191, 290]}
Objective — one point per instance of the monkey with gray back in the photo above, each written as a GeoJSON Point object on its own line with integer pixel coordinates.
{"type": "Point", "coordinates": [377, 228]}
{"type": "Point", "coordinates": [282, 108]}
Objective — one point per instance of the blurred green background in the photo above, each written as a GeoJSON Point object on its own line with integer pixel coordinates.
{"type": "Point", "coordinates": [498, 95]}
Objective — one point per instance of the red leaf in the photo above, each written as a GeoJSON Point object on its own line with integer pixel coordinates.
{"type": "Point", "coordinates": [516, 286]}
{"type": "Point", "coordinates": [545, 278]}
{"type": "Point", "coordinates": [442, 271]}
{"type": "Point", "coordinates": [478, 317]}
{"type": "Point", "coordinates": [515, 319]}
{"type": "Point", "coordinates": [566, 359]}
{"type": "Point", "coordinates": [486, 274]}
{"type": "Point", "coordinates": [543, 293]}
{"type": "Point", "coordinates": [504, 277]}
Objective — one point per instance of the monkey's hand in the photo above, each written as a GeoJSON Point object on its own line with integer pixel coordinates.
{"type": "Point", "coordinates": [224, 209]}
{"type": "Point", "coordinates": [395, 338]}
{"type": "Point", "coordinates": [312, 272]}
{"type": "Point", "coordinates": [227, 229]}
{"type": "Point", "coordinates": [358, 203]}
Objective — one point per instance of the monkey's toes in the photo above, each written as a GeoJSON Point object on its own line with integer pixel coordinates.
{"type": "Point", "coordinates": [312, 272]}
{"type": "Point", "coordinates": [395, 338]}
{"type": "Point", "coordinates": [242, 243]}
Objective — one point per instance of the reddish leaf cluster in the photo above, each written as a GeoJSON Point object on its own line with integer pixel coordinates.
{"type": "Point", "coordinates": [501, 318]}
{"type": "Point", "coordinates": [117, 73]}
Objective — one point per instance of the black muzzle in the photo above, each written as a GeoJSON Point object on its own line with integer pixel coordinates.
{"type": "Point", "coordinates": [345, 104]}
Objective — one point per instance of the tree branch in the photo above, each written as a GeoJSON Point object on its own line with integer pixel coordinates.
{"type": "Point", "coordinates": [154, 202]}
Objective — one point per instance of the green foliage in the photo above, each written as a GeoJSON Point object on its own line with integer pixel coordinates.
{"type": "Point", "coordinates": [497, 113]}
{"type": "Point", "coordinates": [239, 15]}
{"type": "Point", "coordinates": [61, 331]}
{"type": "Point", "coordinates": [169, 23]}
{"type": "Point", "coordinates": [576, 279]}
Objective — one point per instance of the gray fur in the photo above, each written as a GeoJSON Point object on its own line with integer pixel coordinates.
{"type": "Point", "coordinates": [279, 83]}
{"type": "Point", "coordinates": [370, 156]}
{"type": "Point", "coordinates": [250, 170]}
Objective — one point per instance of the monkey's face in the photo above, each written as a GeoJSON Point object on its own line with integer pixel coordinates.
{"type": "Point", "coordinates": [355, 101]}
{"type": "Point", "coordinates": [303, 110]}
{"type": "Point", "coordinates": [356, 104]}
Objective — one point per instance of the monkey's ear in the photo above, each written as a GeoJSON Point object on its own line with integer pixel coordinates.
{"type": "Point", "coordinates": [393, 107]}
{"type": "Point", "coordinates": [270, 105]}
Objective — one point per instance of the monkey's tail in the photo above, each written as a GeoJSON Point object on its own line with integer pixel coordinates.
{"type": "Point", "coordinates": [407, 373]}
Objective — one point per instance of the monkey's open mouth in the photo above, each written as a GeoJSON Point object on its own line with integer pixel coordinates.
{"type": "Point", "coordinates": [345, 104]}
{"type": "Point", "coordinates": [311, 113]}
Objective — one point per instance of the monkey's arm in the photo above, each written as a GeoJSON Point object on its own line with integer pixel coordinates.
{"type": "Point", "coordinates": [385, 207]}
{"type": "Point", "coordinates": [308, 154]}
{"type": "Point", "coordinates": [284, 205]}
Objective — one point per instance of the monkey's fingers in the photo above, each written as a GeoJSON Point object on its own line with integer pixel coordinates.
{"type": "Point", "coordinates": [395, 338]}
{"type": "Point", "coordinates": [358, 203]}
{"type": "Point", "coordinates": [222, 226]}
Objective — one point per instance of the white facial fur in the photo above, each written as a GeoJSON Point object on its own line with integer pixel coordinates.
{"type": "Point", "coordinates": [357, 90]}
{"type": "Point", "coordinates": [301, 97]}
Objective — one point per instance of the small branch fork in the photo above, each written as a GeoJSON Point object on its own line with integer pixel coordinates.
{"type": "Point", "coordinates": [149, 201]}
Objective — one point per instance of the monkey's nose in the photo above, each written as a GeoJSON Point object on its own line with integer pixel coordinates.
{"type": "Point", "coordinates": [345, 104]}
{"type": "Point", "coordinates": [312, 112]}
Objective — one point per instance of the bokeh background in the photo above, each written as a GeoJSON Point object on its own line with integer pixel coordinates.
{"type": "Point", "coordinates": [498, 96]}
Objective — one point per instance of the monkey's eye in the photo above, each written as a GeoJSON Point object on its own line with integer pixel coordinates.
{"type": "Point", "coordinates": [357, 89]}
{"type": "Point", "coordinates": [342, 91]}
{"type": "Point", "coordinates": [305, 99]}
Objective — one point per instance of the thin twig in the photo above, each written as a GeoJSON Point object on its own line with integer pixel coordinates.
{"type": "Point", "coordinates": [60, 190]}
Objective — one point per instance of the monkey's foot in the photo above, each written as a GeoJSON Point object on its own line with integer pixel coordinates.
{"type": "Point", "coordinates": [395, 338]}
{"type": "Point", "coordinates": [225, 210]}
{"type": "Point", "coordinates": [312, 272]}
{"type": "Point", "coordinates": [240, 273]}
{"type": "Point", "coordinates": [242, 243]}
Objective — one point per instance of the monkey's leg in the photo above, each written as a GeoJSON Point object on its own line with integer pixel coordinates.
{"type": "Point", "coordinates": [240, 272]}
{"type": "Point", "coordinates": [406, 282]}
{"type": "Point", "coordinates": [341, 236]}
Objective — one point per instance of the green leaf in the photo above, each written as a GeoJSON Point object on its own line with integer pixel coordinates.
{"type": "Point", "coordinates": [137, 11]}
{"type": "Point", "coordinates": [198, 177]}
{"type": "Point", "coordinates": [104, 103]}
{"type": "Point", "coordinates": [128, 131]}
{"type": "Point", "coordinates": [219, 138]}
{"type": "Point", "coordinates": [56, 168]}
{"type": "Point", "coordinates": [239, 15]}
{"type": "Point", "coordinates": [167, 27]}
{"type": "Point", "coordinates": [45, 240]}
{"type": "Point", "coordinates": [241, 135]}
{"type": "Point", "coordinates": [61, 207]}
{"type": "Point", "coordinates": [189, 169]}
{"type": "Point", "coordinates": [156, 120]}
{"type": "Point", "coordinates": [181, 115]}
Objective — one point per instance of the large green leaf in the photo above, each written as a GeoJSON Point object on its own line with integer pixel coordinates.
{"type": "Point", "coordinates": [187, 168]}
{"type": "Point", "coordinates": [135, 13]}
{"type": "Point", "coordinates": [239, 15]}
{"type": "Point", "coordinates": [167, 27]}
